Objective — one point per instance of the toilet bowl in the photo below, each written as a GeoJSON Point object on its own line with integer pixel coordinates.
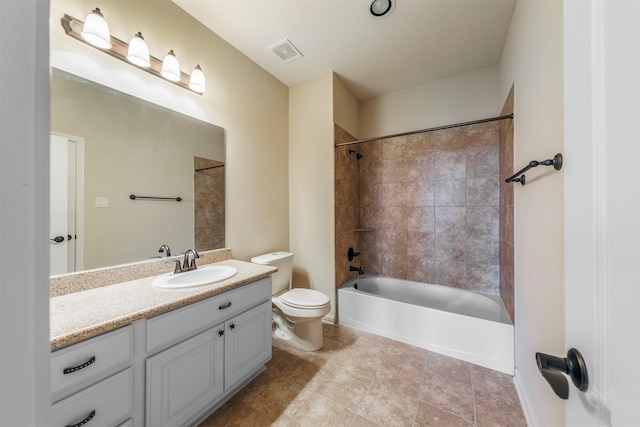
{"type": "Point", "coordinates": [297, 312]}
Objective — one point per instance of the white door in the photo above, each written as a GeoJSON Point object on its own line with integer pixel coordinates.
{"type": "Point", "coordinates": [58, 206]}
{"type": "Point", "coordinates": [62, 222]}
{"type": "Point", "coordinates": [602, 207]}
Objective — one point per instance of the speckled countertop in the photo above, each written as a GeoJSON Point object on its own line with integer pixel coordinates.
{"type": "Point", "coordinates": [80, 315]}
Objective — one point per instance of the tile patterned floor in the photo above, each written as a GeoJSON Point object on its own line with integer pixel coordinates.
{"type": "Point", "coordinates": [361, 380]}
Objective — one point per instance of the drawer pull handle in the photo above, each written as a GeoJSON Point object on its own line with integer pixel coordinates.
{"type": "Point", "coordinates": [77, 368]}
{"type": "Point", "coordinates": [86, 420]}
{"type": "Point", "coordinates": [223, 306]}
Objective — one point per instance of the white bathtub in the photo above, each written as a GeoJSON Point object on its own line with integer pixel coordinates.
{"type": "Point", "coordinates": [470, 326]}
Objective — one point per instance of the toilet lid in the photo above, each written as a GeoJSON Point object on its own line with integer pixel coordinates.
{"type": "Point", "coordinates": [304, 298]}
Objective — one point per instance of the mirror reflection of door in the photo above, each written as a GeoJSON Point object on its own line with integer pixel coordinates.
{"type": "Point", "coordinates": [66, 160]}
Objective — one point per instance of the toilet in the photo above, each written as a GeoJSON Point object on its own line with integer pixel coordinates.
{"type": "Point", "coordinates": [297, 312]}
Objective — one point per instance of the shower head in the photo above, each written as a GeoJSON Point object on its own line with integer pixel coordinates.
{"type": "Point", "coordinates": [358, 155]}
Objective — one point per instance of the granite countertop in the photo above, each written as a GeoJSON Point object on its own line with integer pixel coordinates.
{"type": "Point", "coordinates": [80, 315]}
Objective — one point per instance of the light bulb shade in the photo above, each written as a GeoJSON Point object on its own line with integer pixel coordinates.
{"type": "Point", "coordinates": [170, 67]}
{"type": "Point", "coordinates": [96, 30]}
{"type": "Point", "coordinates": [196, 82]}
{"type": "Point", "coordinates": [138, 52]}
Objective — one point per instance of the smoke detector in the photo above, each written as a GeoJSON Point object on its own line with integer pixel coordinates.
{"type": "Point", "coordinates": [285, 50]}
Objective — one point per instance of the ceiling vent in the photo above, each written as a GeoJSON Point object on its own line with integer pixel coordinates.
{"type": "Point", "coordinates": [285, 50]}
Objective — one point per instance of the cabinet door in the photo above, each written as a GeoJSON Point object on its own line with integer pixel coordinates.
{"type": "Point", "coordinates": [184, 379]}
{"type": "Point", "coordinates": [248, 343]}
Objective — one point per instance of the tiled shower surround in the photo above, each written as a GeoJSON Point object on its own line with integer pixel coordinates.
{"type": "Point", "coordinates": [422, 207]}
{"type": "Point", "coordinates": [208, 193]}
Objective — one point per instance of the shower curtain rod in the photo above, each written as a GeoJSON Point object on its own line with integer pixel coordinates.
{"type": "Point", "coordinates": [475, 122]}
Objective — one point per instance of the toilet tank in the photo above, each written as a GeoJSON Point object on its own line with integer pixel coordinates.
{"type": "Point", "coordinates": [281, 279]}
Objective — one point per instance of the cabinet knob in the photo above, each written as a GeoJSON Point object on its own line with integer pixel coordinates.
{"type": "Point", "coordinates": [232, 326]}
{"type": "Point", "coordinates": [221, 332]}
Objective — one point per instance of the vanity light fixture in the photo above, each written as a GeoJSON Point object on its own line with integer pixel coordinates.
{"type": "Point", "coordinates": [197, 82]}
{"type": "Point", "coordinates": [170, 67]}
{"type": "Point", "coordinates": [137, 52]}
{"type": "Point", "coordinates": [96, 30]}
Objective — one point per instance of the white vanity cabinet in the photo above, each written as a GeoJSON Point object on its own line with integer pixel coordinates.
{"type": "Point", "coordinates": [227, 344]}
{"type": "Point", "coordinates": [91, 381]}
{"type": "Point", "coordinates": [172, 369]}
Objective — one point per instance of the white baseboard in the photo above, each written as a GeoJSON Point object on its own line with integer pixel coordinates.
{"type": "Point", "coordinates": [526, 407]}
{"type": "Point", "coordinates": [329, 318]}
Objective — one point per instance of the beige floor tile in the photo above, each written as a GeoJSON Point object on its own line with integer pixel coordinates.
{"type": "Point", "coordinates": [362, 363]}
{"type": "Point", "coordinates": [448, 394]}
{"type": "Point", "coordinates": [405, 377]}
{"type": "Point", "coordinates": [322, 412]}
{"type": "Point", "coordinates": [358, 379]}
{"type": "Point", "coordinates": [344, 335]}
{"type": "Point", "coordinates": [388, 406]}
{"type": "Point", "coordinates": [280, 397]}
{"type": "Point", "coordinates": [494, 411]}
{"type": "Point", "coordinates": [344, 388]}
{"type": "Point", "coordinates": [223, 415]}
{"type": "Point", "coordinates": [493, 382]}
{"type": "Point", "coordinates": [430, 416]}
{"type": "Point", "coordinates": [448, 367]}
{"type": "Point", "coordinates": [249, 417]}
{"type": "Point", "coordinates": [406, 354]}
{"type": "Point", "coordinates": [359, 421]}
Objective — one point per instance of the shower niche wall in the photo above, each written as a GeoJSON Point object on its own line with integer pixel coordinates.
{"type": "Point", "coordinates": [422, 207]}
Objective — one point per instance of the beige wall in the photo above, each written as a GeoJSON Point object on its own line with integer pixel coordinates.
{"type": "Point", "coordinates": [532, 60]}
{"type": "Point", "coordinates": [461, 98]}
{"type": "Point", "coordinates": [311, 185]}
{"type": "Point", "coordinates": [241, 97]}
{"type": "Point", "coordinates": [346, 108]}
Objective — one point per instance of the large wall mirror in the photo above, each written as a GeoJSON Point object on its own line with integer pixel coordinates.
{"type": "Point", "coordinates": [107, 146]}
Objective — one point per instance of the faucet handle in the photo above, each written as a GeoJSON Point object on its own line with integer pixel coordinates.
{"type": "Point", "coordinates": [178, 268]}
{"type": "Point", "coordinates": [192, 264]}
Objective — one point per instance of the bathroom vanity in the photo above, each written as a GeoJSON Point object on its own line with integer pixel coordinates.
{"type": "Point", "coordinates": [169, 364]}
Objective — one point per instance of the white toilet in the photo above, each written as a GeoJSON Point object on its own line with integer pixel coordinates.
{"type": "Point", "coordinates": [297, 312]}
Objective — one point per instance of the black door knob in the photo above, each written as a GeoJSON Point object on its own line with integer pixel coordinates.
{"type": "Point", "coordinates": [554, 369]}
{"type": "Point", "coordinates": [57, 239]}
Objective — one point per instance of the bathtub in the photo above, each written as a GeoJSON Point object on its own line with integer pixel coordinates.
{"type": "Point", "coordinates": [466, 325]}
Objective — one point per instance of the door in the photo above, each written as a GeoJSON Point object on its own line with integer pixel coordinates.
{"type": "Point", "coordinates": [185, 379]}
{"type": "Point", "coordinates": [62, 192]}
{"type": "Point", "coordinates": [66, 199]}
{"type": "Point", "coordinates": [602, 207]}
{"type": "Point", "coordinates": [247, 343]}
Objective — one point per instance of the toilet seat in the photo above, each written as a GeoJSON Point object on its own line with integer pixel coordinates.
{"type": "Point", "coordinates": [304, 298]}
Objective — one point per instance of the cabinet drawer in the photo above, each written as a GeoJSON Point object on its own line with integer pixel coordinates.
{"type": "Point", "coordinates": [88, 360]}
{"type": "Point", "coordinates": [172, 327]}
{"type": "Point", "coordinates": [105, 404]}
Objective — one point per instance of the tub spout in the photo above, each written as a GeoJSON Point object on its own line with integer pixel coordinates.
{"type": "Point", "coordinates": [358, 269]}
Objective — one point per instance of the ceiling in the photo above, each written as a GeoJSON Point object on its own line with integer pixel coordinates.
{"type": "Point", "coordinates": [420, 41]}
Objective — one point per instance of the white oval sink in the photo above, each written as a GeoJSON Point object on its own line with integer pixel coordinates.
{"type": "Point", "coordinates": [201, 276]}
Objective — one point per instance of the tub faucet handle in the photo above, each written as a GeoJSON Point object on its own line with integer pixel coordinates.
{"type": "Point", "coordinates": [358, 269]}
{"type": "Point", "coordinates": [351, 254]}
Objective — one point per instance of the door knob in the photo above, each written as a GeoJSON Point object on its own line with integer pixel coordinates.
{"type": "Point", "coordinates": [57, 239]}
{"type": "Point", "coordinates": [554, 369]}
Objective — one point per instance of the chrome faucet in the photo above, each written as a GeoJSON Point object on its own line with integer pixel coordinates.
{"type": "Point", "coordinates": [190, 265]}
{"type": "Point", "coordinates": [165, 249]}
